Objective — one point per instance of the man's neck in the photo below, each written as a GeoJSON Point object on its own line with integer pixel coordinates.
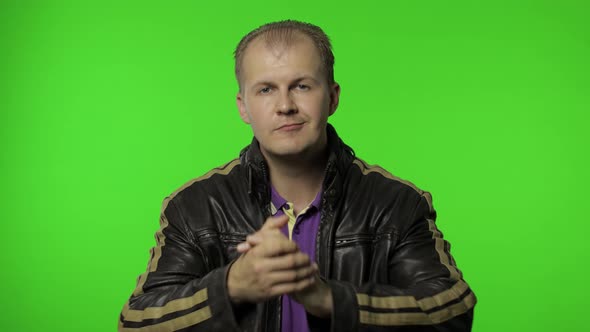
{"type": "Point", "coordinates": [298, 181]}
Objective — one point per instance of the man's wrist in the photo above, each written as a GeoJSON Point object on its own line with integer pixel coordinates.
{"type": "Point", "coordinates": [232, 290]}
{"type": "Point", "coordinates": [322, 308]}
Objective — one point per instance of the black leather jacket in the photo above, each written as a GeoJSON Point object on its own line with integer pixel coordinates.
{"type": "Point", "coordinates": [377, 247]}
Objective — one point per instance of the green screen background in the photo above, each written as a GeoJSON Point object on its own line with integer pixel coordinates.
{"type": "Point", "coordinates": [107, 107]}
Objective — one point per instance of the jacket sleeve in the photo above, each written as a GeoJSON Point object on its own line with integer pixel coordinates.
{"type": "Point", "coordinates": [426, 291]}
{"type": "Point", "coordinates": [178, 291]}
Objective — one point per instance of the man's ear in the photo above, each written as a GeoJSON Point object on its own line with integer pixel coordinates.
{"type": "Point", "coordinates": [334, 97]}
{"type": "Point", "coordinates": [242, 108]}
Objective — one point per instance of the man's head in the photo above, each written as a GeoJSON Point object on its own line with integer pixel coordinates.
{"type": "Point", "coordinates": [283, 33]}
{"type": "Point", "coordinates": [285, 93]}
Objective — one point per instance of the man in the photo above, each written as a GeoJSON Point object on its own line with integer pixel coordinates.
{"type": "Point", "coordinates": [297, 233]}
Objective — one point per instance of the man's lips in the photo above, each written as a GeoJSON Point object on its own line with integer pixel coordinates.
{"type": "Point", "coordinates": [290, 126]}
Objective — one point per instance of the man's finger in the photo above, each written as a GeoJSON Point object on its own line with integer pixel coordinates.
{"type": "Point", "coordinates": [292, 261]}
{"type": "Point", "coordinates": [275, 222]}
{"type": "Point", "coordinates": [275, 246]}
{"type": "Point", "coordinates": [293, 287]}
{"type": "Point", "coordinates": [243, 247]}
{"type": "Point", "coordinates": [271, 224]}
{"type": "Point", "coordinates": [261, 235]}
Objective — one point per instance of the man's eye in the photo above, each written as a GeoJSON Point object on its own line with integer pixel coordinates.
{"type": "Point", "coordinates": [302, 87]}
{"type": "Point", "coordinates": [265, 90]}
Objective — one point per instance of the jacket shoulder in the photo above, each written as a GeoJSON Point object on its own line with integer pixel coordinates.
{"type": "Point", "coordinates": [388, 178]}
{"type": "Point", "coordinates": [208, 179]}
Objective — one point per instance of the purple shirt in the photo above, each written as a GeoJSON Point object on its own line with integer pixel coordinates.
{"type": "Point", "coordinates": [304, 232]}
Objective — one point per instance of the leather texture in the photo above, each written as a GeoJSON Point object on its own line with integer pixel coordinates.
{"type": "Point", "coordinates": [378, 248]}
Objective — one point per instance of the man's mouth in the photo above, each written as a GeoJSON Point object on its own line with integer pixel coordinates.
{"type": "Point", "coordinates": [291, 126]}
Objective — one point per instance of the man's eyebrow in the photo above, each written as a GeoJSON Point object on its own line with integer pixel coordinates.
{"type": "Point", "coordinates": [262, 83]}
{"type": "Point", "coordinates": [305, 77]}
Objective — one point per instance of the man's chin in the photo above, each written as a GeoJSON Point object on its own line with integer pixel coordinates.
{"type": "Point", "coordinates": [286, 152]}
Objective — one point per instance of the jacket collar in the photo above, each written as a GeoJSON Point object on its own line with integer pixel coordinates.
{"type": "Point", "coordinates": [339, 160]}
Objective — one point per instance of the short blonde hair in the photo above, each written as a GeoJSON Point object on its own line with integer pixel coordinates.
{"type": "Point", "coordinates": [285, 32]}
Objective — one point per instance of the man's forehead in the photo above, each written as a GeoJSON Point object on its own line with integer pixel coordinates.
{"type": "Point", "coordinates": [279, 43]}
{"type": "Point", "coordinates": [268, 58]}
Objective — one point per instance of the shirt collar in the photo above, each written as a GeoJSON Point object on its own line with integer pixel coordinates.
{"type": "Point", "coordinates": [277, 202]}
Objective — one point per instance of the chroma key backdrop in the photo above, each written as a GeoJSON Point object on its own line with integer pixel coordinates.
{"type": "Point", "coordinates": [106, 107]}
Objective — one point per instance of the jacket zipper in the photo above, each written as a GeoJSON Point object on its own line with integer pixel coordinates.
{"type": "Point", "coordinates": [323, 215]}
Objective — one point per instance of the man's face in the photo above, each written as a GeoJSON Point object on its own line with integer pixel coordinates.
{"type": "Point", "coordinates": [285, 98]}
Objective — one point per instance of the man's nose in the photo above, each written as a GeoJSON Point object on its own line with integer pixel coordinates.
{"type": "Point", "coordinates": [286, 104]}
